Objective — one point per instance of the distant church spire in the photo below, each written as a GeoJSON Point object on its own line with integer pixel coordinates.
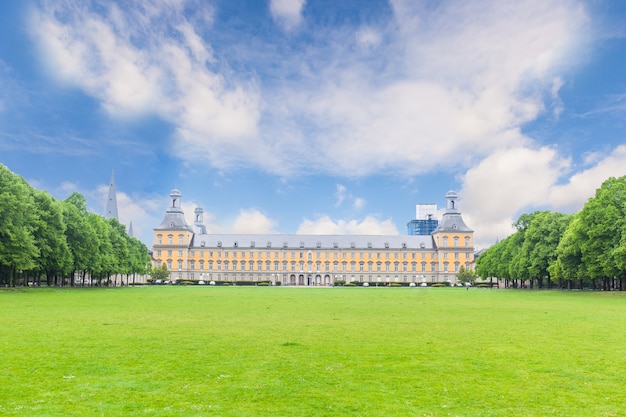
{"type": "Point", "coordinates": [130, 229]}
{"type": "Point", "coordinates": [110, 210]}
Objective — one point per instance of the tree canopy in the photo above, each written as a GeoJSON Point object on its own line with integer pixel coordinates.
{"type": "Point", "coordinates": [587, 248]}
{"type": "Point", "coordinates": [43, 238]}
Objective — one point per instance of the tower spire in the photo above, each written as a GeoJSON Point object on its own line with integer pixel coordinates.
{"type": "Point", "coordinates": [110, 210]}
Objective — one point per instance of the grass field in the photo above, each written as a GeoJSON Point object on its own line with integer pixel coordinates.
{"type": "Point", "coordinates": [246, 351]}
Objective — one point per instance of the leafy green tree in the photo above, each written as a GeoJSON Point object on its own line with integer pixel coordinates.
{"type": "Point", "coordinates": [103, 264]}
{"type": "Point", "coordinates": [81, 237]}
{"type": "Point", "coordinates": [18, 250]}
{"type": "Point", "coordinates": [465, 275]}
{"type": "Point", "coordinates": [159, 272]}
{"type": "Point", "coordinates": [55, 257]}
{"type": "Point", "coordinates": [602, 221]}
{"type": "Point", "coordinates": [541, 239]}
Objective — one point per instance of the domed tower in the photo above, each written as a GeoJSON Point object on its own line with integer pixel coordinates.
{"type": "Point", "coordinates": [173, 237]}
{"type": "Point", "coordinates": [453, 240]}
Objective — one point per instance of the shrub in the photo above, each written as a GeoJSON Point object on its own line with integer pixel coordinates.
{"type": "Point", "coordinates": [395, 284]}
{"type": "Point", "coordinates": [339, 282]}
{"type": "Point", "coordinates": [263, 284]}
{"type": "Point", "coordinates": [350, 284]}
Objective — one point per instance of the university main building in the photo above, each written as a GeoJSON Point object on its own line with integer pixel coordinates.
{"type": "Point", "coordinates": [191, 253]}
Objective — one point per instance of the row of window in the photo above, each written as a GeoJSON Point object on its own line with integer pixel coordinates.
{"type": "Point", "coordinates": [456, 240]}
{"type": "Point", "coordinates": [293, 279]}
{"type": "Point", "coordinates": [181, 241]}
{"type": "Point", "coordinates": [371, 266]}
{"type": "Point", "coordinates": [309, 256]}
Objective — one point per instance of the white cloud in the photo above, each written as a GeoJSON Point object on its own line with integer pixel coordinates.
{"type": "Point", "coordinates": [368, 226]}
{"type": "Point", "coordinates": [358, 203]}
{"type": "Point", "coordinates": [253, 221]}
{"type": "Point", "coordinates": [436, 87]}
{"type": "Point", "coordinates": [581, 186]}
{"type": "Point", "coordinates": [287, 13]}
{"type": "Point", "coordinates": [452, 84]}
{"type": "Point", "coordinates": [340, 194]}
{"type": "Point", "coordinates": [506, 183]}
{"type": "Point", "coordinates": [149, 58]}
{"type": "Point", "coordinates": [522, 180]}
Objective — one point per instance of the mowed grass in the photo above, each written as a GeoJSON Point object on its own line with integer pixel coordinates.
{"type": "Point", "coordinates": [198, 351]}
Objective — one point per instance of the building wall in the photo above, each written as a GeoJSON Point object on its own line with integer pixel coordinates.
{"type": "Point", "coordinates": [312, 266]}
{"type": "Point", "coordinates": [432, 258]}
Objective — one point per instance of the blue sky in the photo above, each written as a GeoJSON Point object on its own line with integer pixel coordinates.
{"type": "Point", "coordinates": [318, 116]}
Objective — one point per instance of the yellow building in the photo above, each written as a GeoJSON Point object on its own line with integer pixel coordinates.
{"type": "Point", "coordinates": [292, 259]}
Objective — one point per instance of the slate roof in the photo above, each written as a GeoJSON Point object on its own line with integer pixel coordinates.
{"type": "Point", "coordinates": [297, 241]}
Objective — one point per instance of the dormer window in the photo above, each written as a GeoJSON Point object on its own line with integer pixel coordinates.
{"type": "Point", "coordinates": [386, 245]}
{"type": "Point", "coordinates": [285, 244]}
{"type": "Point", "coordinates": [318, 244]}
{"type": "Point", "coordinates": [352, 245]}
{"type": "Point", "coordinates": [269, 244]}
{"type": "Point", "coordinates": [236, 244]}
{"type": "Point", "coordinates": [335, 245]}
{"type": "Point", "coordinates": [219, 243]}
{"type": "Point", "coordinates": [369, 245]}
{"type": "Point", "coordinates": [301, 245]}
{"type": "Point", "coordinates": [252, 244]}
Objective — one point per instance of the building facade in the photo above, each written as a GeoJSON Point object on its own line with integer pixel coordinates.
{"type": "Point", "coordinates": [190, 253]}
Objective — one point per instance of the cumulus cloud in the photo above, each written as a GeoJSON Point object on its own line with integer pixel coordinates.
{"type": "Point", "coordinates": [149, 59]}
{"type": "Point", "coordinates": [515, 181]}
{"type": "Point", "coordinates": [451, 84]}
{"type": "Point", "coordinates": [581, 186]}
{"type": "Point", "coordinates": [370, 225]}
{"type": "Point", "coordinates": [253, 221]}
{"type": "Point", "coordinates": [287, 13]}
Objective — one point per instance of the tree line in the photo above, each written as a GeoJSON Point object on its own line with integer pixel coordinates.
{"type": "Point", "coordinates": [582, 250]}
{"type": "Point", "coordinates": [59, 242]}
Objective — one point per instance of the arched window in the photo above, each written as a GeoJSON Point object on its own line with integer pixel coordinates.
{"type": "Point", "coordinates": [445, 241]}
{"type": "Point", "coordinates": [170, 239]}
{"type": "Point", "coordinates": [159, 239]}
{"type": "Point", "coordinates": [456, 241]}
{"type": "Point", "coordinates": [467, 241]}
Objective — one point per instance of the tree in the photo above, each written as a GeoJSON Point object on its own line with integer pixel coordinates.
{"type": "Point", "coordinates": [465, 275]}
{"type": "Point", "coordinates": [80, 235]}
{"type": "Point", "coordinates": [17, 218]}
{"type": "Point", "coordinates": [541, 239]}
{"type": "Point", "coordinates": [602, 220]}
{"type": "Point", "coordinates": [159, 272]}
{"type": "Point", "coordinates": [55, 257]}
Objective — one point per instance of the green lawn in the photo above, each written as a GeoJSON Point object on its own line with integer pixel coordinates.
{"type": "Point", "coordinates": [259, 351]}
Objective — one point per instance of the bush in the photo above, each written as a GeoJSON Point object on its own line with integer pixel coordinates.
{"type": "Point", "coordinates": [263, 284]}
{"type": "Point", "coordinates": [350, 284]}
{"type": "Point", "coordinates": [440, 284]}
{"type": "Point", "coordinates": [339, 282]}
{"type": "Point", "coordinates": [395, 284]}
{"type": "Point", "coordinates": [185, 282]}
